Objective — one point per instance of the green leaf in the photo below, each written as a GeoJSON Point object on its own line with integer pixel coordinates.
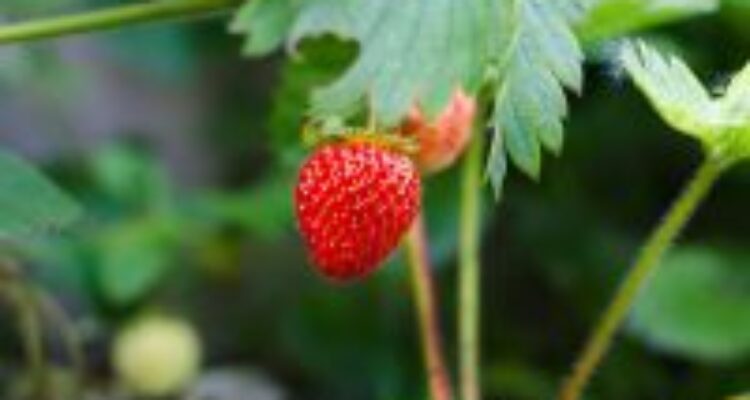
{"type": "Point", "coordinates": [672, 89]}
{"type": "Point", "coordinates": [133, 258]}
{"type": "Point", "coordinates": [29, 203]}
{"type": "Point", "coordinates": [610, 18]}
{"type": "Point", "coordinates": [736, 101]}
{"type": "Point", "coordinates": [318, 62]}
{"type": "Point", "coordinates": [736, 107]}
{"type": "Point", "coordinates": [132, 178]}
{"type": "Point", "coordinates": [698, 305]}
{"type": "Point", "coordinates": [722, 123]}
{"type": "Point", "coordinates": [264, 209]}
{"type": "Point", "coordinates": [421, 51]}
{"type": "Point", "coordinates": [542, 58]}
{"type": "Point", "coordinates": [265, 24]}
{"type": "Point", "coordinates": [409, 51]}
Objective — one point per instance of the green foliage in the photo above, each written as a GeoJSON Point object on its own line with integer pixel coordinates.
{"type": "Point", "coordinates": [29, 203]}
{"type": "Point", "coordinates": [422, 51]}
{"type": "Point", "coordinates": [408, 51]}
{"type": "Point", "coordinates": [722, 123]}
{"type": "Point", "coordinates": [265, 23]}
{"type": "Point", "coordinates": [131, 179]}
{"type": "Point", "coordinates": [673, 90]}
{"type": "Point", "coordinates": [539, 55]}
{"type": "Point", "coordinates": [264, 209]}
{"type": "Point", "coordinates": [148, 232]}
{"type": "Point", "coordinates": [133, 258]}
{"type": "Point", "coordinates": [316, 61]}
{"type": "Point", "coordinates": [609, 18]}
{"type": "Point", "coordinates": [698, 305]}
{"type": "Point", "coordinates": [224, 254]}
{"type": "Point", "coordinates": [134, 251]}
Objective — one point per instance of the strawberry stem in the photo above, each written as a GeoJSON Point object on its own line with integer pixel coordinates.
{"type": "Point", "coordinates": [426, 307]}
{"type": "Point", "coordinates": [109, 18]}
{"type": "Point", "coordinates": [643, 268]}
{"type": "Point", "coordinates": [469, 291]}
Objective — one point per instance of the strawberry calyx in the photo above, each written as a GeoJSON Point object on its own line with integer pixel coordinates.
{"type": "Point", "coordinates": [315, 134]}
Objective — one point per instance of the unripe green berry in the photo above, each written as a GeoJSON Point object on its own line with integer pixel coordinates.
{"type": "Point", "coordinates": [157, 356]}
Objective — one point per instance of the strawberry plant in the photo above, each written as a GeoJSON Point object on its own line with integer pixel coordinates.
{"type": "Point", "coordinates": [393, 126]}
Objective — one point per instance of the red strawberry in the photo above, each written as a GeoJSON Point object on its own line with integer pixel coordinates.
{"type": "Point", "coordinates": [441, 141]}
{"type": "Point", "coordinates": [354, 200]}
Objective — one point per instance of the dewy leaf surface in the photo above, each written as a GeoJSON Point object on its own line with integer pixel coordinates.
{"type": "Point", "coordinates": [421, 51]}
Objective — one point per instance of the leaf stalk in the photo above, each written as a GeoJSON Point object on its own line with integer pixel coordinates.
{"type": "Point", "coordinates": [657, 244]}
{"type": "Point", "coordinates": [109, 18]}
{"type": "Point", "coordinates": [469, 288]}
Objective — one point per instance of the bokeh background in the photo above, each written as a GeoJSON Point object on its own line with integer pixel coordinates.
{"type": "Point", "coordinates": [183, 155]}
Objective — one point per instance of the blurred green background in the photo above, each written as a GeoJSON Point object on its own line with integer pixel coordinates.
{"type": "Point", "coordinates": [183, 155]}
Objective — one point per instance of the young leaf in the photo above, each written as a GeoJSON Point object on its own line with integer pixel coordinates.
{"type": "Point", "coordinates": [672, 89]}
{"type": "Point", "coordinates": [721, 124]}
{"type": "Point", "coordinates": [736, 107]}
{"type": "Point", "coordinates": [29, 203]}
{"type": "Point", "coordinates": [542, 58]}
{"type": "Point", "coordinates": [736, 101]}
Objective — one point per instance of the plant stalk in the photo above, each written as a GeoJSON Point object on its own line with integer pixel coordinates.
{"type": "Point", "coordinates": [642, 269]}
{"type": "Point", "coordinates": [31, 333]}
{"type": "Point", "coordinates": [469, 288]}
{"type": "Point", "coordinates": [70, 336]}
{"type": "Point", "coordinates": [426, 306]}
{"type": "Point", "coordinates": [108, 19]}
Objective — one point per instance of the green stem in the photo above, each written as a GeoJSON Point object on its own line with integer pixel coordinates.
{"type": "Point", "coordinates": [426, 307]}
{"type": "Point", "coordinates": [108, 19]}
{"type": "Point", "coordinates": [70, 336]}
{"type": "Point", "coordinates": [30, 331]}
{"type": "Point", "coordinates": [643, 268]}
{"type": "Point", "coordinates": [469, 290]}
{"type": "Point", "coordinates": [14, 288]}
